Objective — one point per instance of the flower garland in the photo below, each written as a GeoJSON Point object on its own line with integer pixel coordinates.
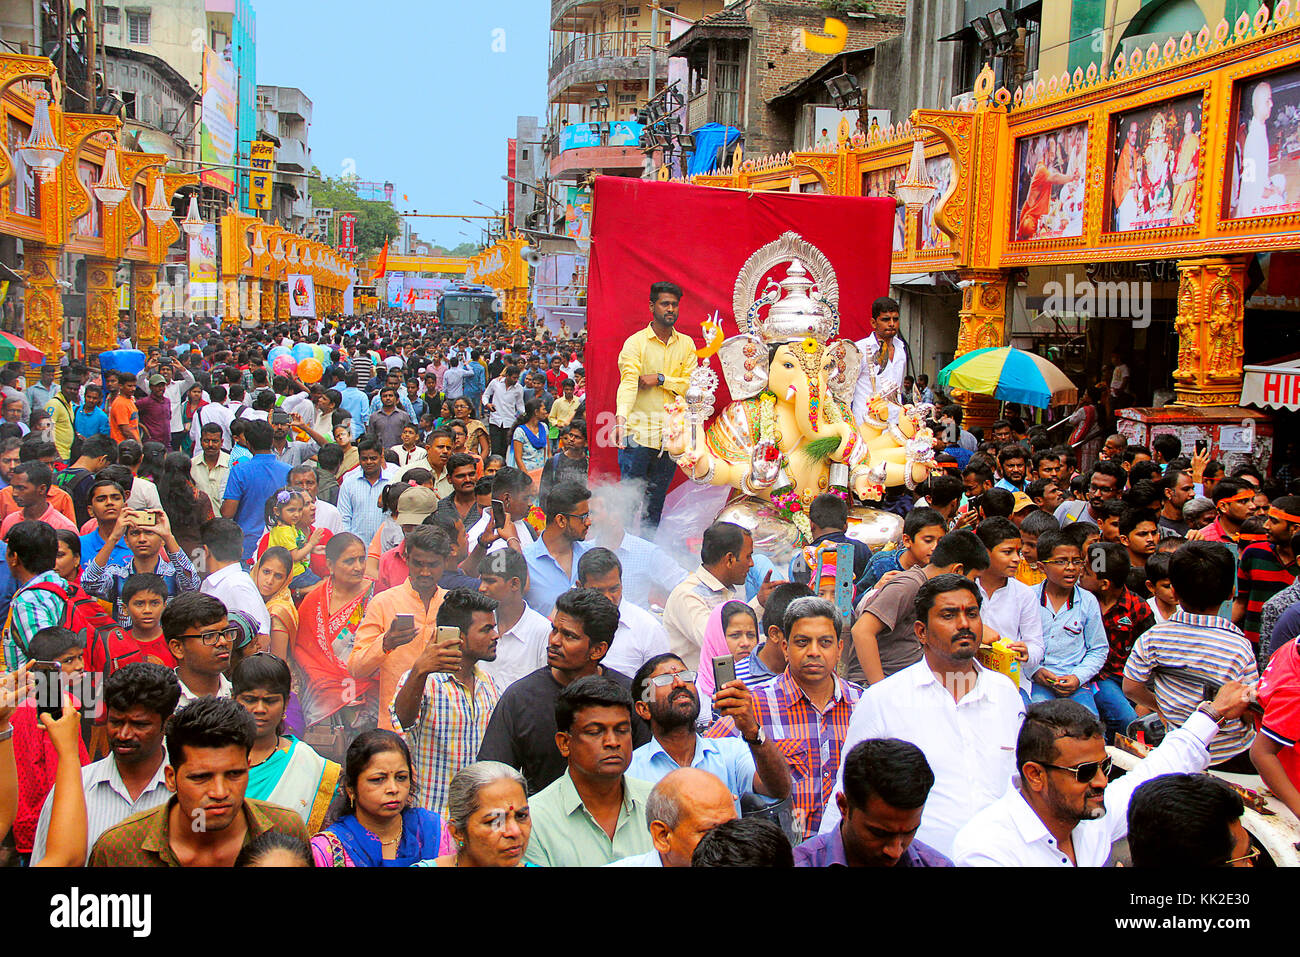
{"type": "Point", "coordinates": [785, 499]}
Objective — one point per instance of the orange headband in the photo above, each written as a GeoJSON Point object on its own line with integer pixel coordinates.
{"type": "Point", "coordinates": [1252, 538]}
{"type": "Point", "coordinates": [1281, 516]}
{"type": "Point", "coordinates": [1245, 495]}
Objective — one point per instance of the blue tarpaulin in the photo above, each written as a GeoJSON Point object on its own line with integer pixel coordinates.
{"type": "Point", "coordinates": [711, 140]}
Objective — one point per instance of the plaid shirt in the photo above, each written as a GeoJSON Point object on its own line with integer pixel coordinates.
{"type": "Point", "coordinates": [810, 741]}
{"type": "Point", "coordinates": [446, 733]}
{"type": "Point", "coordinates": [107, 582]}
{"type": "Point", "coordinates": [1124, 621]}
{"type": "Point", "coordinates": [29, 612]}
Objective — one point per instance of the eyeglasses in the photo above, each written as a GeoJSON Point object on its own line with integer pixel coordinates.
{"type": "Point", "coordinates": [1065, 562]}
{"type": "Point", "coordinates": [230, 634]}
{"type": "Point", "coordinates": [1084, 773]}
{"type": "Point", "coordinates": [584, 517]}
{"type": "Point", "coordinates": [1248, 858]}
{"type": "Point", "coordinates": [663, 681]}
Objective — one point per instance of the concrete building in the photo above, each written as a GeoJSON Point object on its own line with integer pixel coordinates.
{"type": "Point", "coordinates": [285, 113]}
{"type": "Point", "coordinates": [232, 31]}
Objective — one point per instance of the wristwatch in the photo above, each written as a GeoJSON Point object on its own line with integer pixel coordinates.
{"type": "Point", "coordinates": [1209, 711]}
{"type": "Point", "coordinates": [758, 741]}
{"type": "Point", "coordinates": [661, 378]}
{"type": "Point", "coordinates": [7, 733]}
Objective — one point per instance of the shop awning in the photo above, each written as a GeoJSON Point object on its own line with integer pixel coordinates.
{"type": "Point", "coordinates": [1273, 385]}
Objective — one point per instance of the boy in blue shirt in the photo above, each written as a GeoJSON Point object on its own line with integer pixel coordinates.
{"type": "Point", "coordinates": [1074, 637]}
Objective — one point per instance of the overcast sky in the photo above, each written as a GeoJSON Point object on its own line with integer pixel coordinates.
{"type": "Point", "coordinates": [412, 91]}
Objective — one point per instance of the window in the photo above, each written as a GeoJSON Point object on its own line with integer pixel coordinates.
{"type": "Point", "coordinates": [112, 16]}
{"type": "Point", "coordinates": [726, 85]}
{"type": "Point", "coordinates": [137, 26]}
{"type": "Point", "coordinates": [524, 154]}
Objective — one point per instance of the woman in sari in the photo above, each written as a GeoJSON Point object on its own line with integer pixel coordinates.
{"type": "Point", "coordinates": [1086, 436]}
{"type": "Point", "coordinates": [379, 827]}
{"type": "Point", "coordinates": [336, 706]}
{"type": "Point", "coordinates": [282, 769]}
{"type": "Point", "coordinates": [477, 441]}
{"type": "Point", "coordinates": [271, 575]}
{"type": "Point", "coordinates": [488, 821]}
{"type": "Point", "coordinates": [1187, 167]}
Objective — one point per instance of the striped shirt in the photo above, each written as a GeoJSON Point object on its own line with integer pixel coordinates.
{"type": "Point", "coordinates": [1260, 576]}
{"type": "Point", "coordinates": [1272, 611]}
{"type": "Point", "coordinates": [107, 582]}
{"type": "Point", "coordinates": [446, 733]}
{"type": "Point", "coordinates": [810, 741]}
{"type": "Point", "coordinates": [30, 611]}
{"type": "Point", "coordinates": [1205, 648]}
{"type": "Point", "coordinates": [364, 366]}
{"type": "Point", "coordinates": [108, 802]}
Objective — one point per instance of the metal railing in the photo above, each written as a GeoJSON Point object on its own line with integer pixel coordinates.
{"type": "Point", "coordinates": [593, 46]}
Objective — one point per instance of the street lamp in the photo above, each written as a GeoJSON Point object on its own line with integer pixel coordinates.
{"type": "Point", "coordinates": [192, 223]}
{"type": "Point", "coordinates": [846, 93]}
{"type": "Point", "coordinates": [42, 150]}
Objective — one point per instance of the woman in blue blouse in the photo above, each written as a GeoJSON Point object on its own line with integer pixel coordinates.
{"type": "Point", "coordinates": [379, 827]}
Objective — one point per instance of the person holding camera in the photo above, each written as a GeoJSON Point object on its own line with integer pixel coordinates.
{"type": "Point", "coordinates": [154, 551]}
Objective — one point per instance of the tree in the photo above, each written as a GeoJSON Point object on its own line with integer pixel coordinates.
{"type": "Point", "coordinates": [376, 221]}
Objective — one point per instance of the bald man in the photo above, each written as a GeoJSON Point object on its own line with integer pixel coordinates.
{"type": "Point", "coordinates": [684, 806]}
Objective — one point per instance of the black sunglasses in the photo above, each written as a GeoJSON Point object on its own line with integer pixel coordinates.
{"type": "Point", "coordinates": [1084, 773]}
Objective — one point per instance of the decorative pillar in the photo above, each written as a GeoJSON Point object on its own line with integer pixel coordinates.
{"type": "Point", "coordinates": [229, 291]}
{"type": "Point", "coordinates": [982, 323]}
{"type": "Point", "coordinates": [43, 307]}
{"type": "Point", "coordinates": [266, 296]}
{"type": "Point", "coordinates": [252, 293]}
{"type": "Point", "coordinates": [148, 313]}
{"type": "Point", "coordinates": [1211, 313]}
{"type": "Point", "coordinates": [101, 307]}
{"type": "Point", "coordinates": [282, 303]}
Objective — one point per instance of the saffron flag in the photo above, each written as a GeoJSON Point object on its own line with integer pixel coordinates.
{"type": "Point", "coordinates": [699, 238]}
{"type": "Point", "coordinates": [383, 263]}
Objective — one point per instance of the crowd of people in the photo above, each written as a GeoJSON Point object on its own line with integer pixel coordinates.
{"type": "Point", "coordinates": [386, 618]}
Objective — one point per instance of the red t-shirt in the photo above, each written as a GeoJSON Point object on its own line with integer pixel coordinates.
{"type": "Point", "coordinates": [1279, 693]}
{"type": "Point", "coordinates": [155, 650]}
{"type": "Point", "coordinates": [34, 753]}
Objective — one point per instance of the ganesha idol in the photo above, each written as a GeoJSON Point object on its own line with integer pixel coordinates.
{"type": "Point", "coordinates": [789, 433]}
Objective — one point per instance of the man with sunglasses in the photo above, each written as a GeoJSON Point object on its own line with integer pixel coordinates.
{"type": "Point", "coordinates": [663, 693]}
{"type": "Point", "coordinates": [553, 557]}
{"type": "Point", "coordinates": [1065, 813]}
{"type": "Point", "coordinates": [200, 638]}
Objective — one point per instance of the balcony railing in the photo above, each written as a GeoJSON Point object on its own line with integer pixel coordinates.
{"type": "Point", "coordinates": [594, 46]}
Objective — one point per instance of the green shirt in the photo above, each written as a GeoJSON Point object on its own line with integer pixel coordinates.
{"type": "Point", "coordinates": [566, 835]}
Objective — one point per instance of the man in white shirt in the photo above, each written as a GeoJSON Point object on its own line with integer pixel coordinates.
{"type": "Point", "coordinates": [214, 411]}
{"type": "Point", "coordinates": [1065, 812]}
{"type": "Point", "coordinates": [303, 478]}
{"type": "Point", "coordinates": [138, 698]}
{"type": "Point", "coordinates": [504, 402]}
{"type": "Point", "coordinates": [885, 352]}
{"type": "Point", "coordinates": [649, 573]}
{"type": "Point", "coordinates": [726, 556]}
{"type": "Point", "coordinates": [961, 715]}
{"type": "Point", "coordinates": [210, 469]}
{"type": "Point", "coordinates": [640, 636]}
{"type": "Point", "coordinates": [521, 647]}
{"type": "Point", "coordinates": [223, 549]}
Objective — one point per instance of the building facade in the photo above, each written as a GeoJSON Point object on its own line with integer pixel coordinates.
{"type": "Point", "coordinates": [285, 113]}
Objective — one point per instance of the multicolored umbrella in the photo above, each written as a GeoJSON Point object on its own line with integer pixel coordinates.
{"type": "Point", "coordinates": [1011, 375]}
{"type": "Point", "coordinates": [16, 348]}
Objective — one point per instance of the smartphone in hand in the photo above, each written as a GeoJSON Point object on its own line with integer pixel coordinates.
{"type": "Point", "coordinates": [47, 689]}
{"type": "Point", "coordinates": [498, 514]}
{"type": "Point", "coordinates": [724, 670]}
{"type": "Point", "coordinates": [403, 623]}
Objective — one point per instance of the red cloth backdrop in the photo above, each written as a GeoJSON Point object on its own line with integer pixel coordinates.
{"type": "Point", "coordinates": [699, 237]}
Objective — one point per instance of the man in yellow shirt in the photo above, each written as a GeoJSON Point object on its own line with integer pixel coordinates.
{"type": "Point", "coordinates": [62, 409]}
{"type": "Point", "coordinates": [654, 364]}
